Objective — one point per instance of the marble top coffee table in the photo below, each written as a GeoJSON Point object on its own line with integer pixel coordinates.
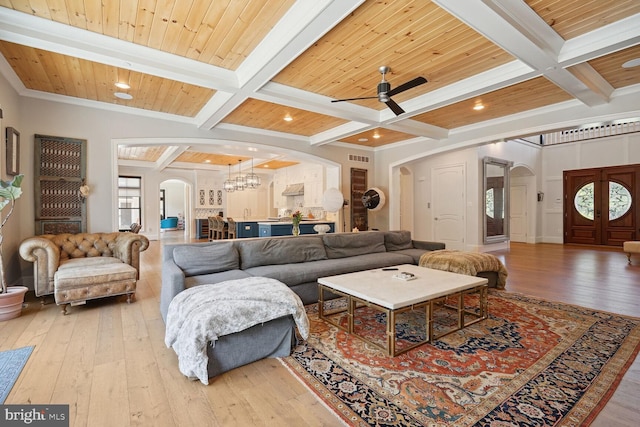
{"type": "Point", "coordinates": [428, 290]}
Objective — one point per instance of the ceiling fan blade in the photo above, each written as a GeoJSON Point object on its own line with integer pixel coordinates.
{"type": "Point", "coordinates": [354, 99]}
{"type": "Point", "coordinates": [394, 107]}
{"type": "Point", "coordinates": [408, 85]}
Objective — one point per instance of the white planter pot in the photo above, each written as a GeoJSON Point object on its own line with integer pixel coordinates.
{"type": "Point", "coordinates": [11, 302]}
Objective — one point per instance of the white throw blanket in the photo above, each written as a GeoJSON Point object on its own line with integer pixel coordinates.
{"type": "Point", "coordinates": [201, 314]}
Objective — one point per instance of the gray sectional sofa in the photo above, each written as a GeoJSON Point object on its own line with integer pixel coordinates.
{"type": "Point", "coordinates": [296, 261]}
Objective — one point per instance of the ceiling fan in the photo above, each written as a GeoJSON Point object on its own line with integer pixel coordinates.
{"type": "Point", "coordinates": [385, 92]}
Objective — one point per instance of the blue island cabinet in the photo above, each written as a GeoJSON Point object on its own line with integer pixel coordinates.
{"type": "Point", "coordinates": [246, 229]}
{"type": "Point", "coordinates": [285, 229]}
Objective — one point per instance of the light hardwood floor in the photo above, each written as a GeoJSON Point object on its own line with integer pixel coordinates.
{"type": "Point", "coordinates": [108, 361]}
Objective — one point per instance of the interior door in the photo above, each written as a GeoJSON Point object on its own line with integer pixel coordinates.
{"type": "Point", "coordinates": [600, 205]}
{"type": "Point", "coordinates": [518, 213]}
{"type": "Point", "coordinates": [359, 214]}
{"type": "Point", "coordinates": [448, 189]}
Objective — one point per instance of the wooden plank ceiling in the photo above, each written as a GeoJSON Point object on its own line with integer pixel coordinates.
{"type": "Point", "coordinates": [247, 65]}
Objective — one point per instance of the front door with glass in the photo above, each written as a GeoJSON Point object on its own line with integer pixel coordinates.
{"type": "Point", "coordinates": [600, 207]}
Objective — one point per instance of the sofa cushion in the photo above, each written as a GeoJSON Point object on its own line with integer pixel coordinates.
{"type": "Point", "coordinates": [212, 278]}
{"type": "Point", "coordinates": [207, 258]}
{"type": "Point", "coordinates": [288, 250]}
{"type": "Point", "coordinates": [340, 245]}
{"type": "Point", "coordinates": [397, 240]}
{"type": "Point", "coordinates": [87, 262]}
{"type": "Point", "coordinates": [413, 253]}
{"type": "Point", "coordinates": [295, 274]}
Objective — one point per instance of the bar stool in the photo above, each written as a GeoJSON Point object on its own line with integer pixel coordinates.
{"type": "Point", "coordinates": [222, 229]}
{"type": "Point", "coordinates": [231, 229]}
{"type": "Point", "coordinates": [213, 228]}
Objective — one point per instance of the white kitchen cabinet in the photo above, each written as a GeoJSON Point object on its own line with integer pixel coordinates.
{"type": "Point", "coordinates": [279, 184]}
{"type": "Point", "coordinates": [247, 204]}
{"type": "Point", "coordinates": [313, 185]}
{"type": "Point", "coordinates": [209, 193]}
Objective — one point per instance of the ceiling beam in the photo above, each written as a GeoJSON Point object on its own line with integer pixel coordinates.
{"type": "Point", "coordinates": [298, 29]}
{"type": "Point", "coordinates": [39, 33]}
{"type": "Point", "coordinates": [516, 28]}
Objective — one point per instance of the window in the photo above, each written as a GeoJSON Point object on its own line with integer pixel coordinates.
{"type": "Point", "coordinates": [619, 200]}
{"type": "Point", "coordinates": [584, 201]}
{"type": "Point", "coordinates": [129, 201]}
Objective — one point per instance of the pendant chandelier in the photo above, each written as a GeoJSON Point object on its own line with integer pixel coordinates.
{"type": "Point", "coordinates": [252, 180]}
{"type": "Point", "coordinates": [229, 185]}
{"type": "Point", "coordinates": [240, 183]}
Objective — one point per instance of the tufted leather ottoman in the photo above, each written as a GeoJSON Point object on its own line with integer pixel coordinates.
{"type": "Point", "coordinates": [78, 284]}
{"type": "Point", "coordinates": [631, 248]}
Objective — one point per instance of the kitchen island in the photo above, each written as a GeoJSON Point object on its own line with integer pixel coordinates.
{"type": "Point", "coordinates": [285, 228]}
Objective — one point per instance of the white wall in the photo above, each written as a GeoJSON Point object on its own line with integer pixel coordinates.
{"type": "Point", "coordinates": [175, 201]}
{"type": "Point", "coordinates": [16, 226]}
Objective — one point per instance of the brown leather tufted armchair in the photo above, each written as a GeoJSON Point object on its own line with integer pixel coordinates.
{"type": "Point", "coordinates": [95, 259]}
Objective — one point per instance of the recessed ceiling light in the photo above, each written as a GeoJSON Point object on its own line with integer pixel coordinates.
{"type": "Point", "coordinates": [207, 161]}
{"type": "Point", "coordinates": [288, 118]}
{"type": "Point", "coordinates": [123, 95]}
{"type": "Point", "coordinates": [122, 85]}
{"type": "Point", "coordinates": [478, 107]}
{"type": "Point", "coordinates": [363, 139]}
{"type": "Point", "coordinates": [376, 135]}
{"type": "Point", "coordinates": [631, 63]}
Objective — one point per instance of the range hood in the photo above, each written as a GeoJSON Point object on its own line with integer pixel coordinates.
{"type": "Point", "coordinates": [294, 190]}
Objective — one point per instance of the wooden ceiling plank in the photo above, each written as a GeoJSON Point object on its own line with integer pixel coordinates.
{"type": "Point", "coordinates": [218, 42]}
{"type": "Point", "coordinates": [163, 93]}
{"type": "Point", "coordinates": [144, 21]}
{"type": "Point", "coordinates": [192, 22]}
{"type": "Point", "coordinates": [40, 8]}
{"type": "Point", "coordinates": [44, 61]}
{"type": "Point", "coordinates": [205, 29]}
{"type": "Point", "coordinates": [127, 20]}
{"type": "Point", "coordinates": [176, 25]}
{"type": "Point", "coordinates": [572, 18]}
{"type": "Point", "coordinates": [93, 12]}
{"type": "Point", "coordinates": [76, 14]}
{"type": "Point", "coordinates": [37, 75]}
{"type": "Point", "coordinates": [97, 79]}
{"type": "Point", "coordinates": [111, 18]}
{"type": "Point", "coordinates": [161, 19]}
{"type": "Point", "coordinates": [56, 10]}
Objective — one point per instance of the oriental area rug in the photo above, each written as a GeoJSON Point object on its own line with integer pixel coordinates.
{"type": "Point", "coordinates": [531, 363]}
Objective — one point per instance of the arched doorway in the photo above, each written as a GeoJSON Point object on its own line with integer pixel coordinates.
{"type": "Point", "coordinates": [174, 208]}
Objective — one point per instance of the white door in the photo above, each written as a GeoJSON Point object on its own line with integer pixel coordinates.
{"type": "Point", "coordinates": [518, 213]}
{"type": "Point", "coordinates": [449, 199]}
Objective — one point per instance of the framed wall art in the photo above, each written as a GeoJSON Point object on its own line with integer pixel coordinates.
{"type": "Point", "coordinates": [13, 151]}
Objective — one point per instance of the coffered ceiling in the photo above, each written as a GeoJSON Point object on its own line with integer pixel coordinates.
{"type": "Point", "coordinates": [246, 65]}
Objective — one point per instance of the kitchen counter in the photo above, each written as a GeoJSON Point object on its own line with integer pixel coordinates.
{"type": "Point", "coordinates": [284, 228]}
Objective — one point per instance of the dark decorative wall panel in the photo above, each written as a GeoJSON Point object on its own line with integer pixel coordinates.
{"type": "Point", "coordinates": [60, 171]}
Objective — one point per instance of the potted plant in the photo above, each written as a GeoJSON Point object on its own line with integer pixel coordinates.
{"type": "Point", "coordinates": [11, 298]}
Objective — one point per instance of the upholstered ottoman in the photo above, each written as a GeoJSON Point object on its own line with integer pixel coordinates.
{"type": "Point", "coordinates": [218, 327]}
{"type": "Point", "coordinates": [77, 285]}
{"type": "Point", "coordinates": [631, 248]}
